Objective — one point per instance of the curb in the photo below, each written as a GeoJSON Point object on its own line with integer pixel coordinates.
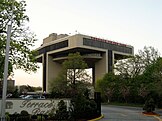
{"type": "Point", "coordinates": [158, 118]}
{"type": "Point", "coordinates": [155, 116]}
{"type": "Point", "coordinates": [151, 115]}
{"type": "Point", "coordinates": [97, 118]}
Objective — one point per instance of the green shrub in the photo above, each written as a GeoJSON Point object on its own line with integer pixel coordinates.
{"type": "Point", "coordinates": [61, 112]}
{"type": "Point", "coordinates": [149, 105]}
{"type": "Point", "coordinates": [40, 117]}
{"type": "Point", "coordinates": [82, 108]}
{"type": "Point", "coordinates": [24, 116]}
{"type": "Point", "coordinates": [7, 116]}
{"type": "Point", "coordinates": [52, 113]}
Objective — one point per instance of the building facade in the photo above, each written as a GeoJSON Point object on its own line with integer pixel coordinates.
{"type": "Point", "coordinates": [99, 54]}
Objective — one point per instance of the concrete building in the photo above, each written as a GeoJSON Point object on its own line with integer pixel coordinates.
{"type": "Point", "coordinates": [99, 54]}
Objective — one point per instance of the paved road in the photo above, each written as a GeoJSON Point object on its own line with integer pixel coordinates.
{"type": "Point", "coordinates": [123, 113]}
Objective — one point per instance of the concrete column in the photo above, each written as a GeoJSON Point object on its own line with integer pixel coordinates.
{"type": "Point", "coordinates": [101, 67]}
{"type": "Point", "coordinates": [53, 69]}
{"type": "Point", "coordinates": [93, 76]}
{"type": "Point", "coordinates": [110, 61]}
{"type": "Point", "coordinates": [44, 71]}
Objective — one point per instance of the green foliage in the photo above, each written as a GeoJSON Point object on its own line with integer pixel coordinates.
{"type": "Point", "coordinates": [61, 112]}
{"type": "Point", "coordinates": [7, 116]}
{"type": "Point", "coordinates": [75, 61]}
{"type": "Point", "coordinates": [25, 113]}
{"type": "Point", "coordinates": [52, 113]}
{"type": "Point", "coordinates": [135, 78]}
{"type": "Point", "coordinates": [22, 40]}
{"type": "Point", "coordinates": [82, 108]}
{"type": "Point", "coordinates": [74, 68]}
{"type": "Point", "coordinates": [72, 79]}
{"type": "Point", "coordinates": [108, 86]}
{"type": "Point", "coordinates": [15, 94]}
{"type": "Point", "coordinates": [149, 105]}
{"type": "Point", "coordinates": [59, 83]}
{"type": "Point", "coordinates": [40, 118]}
{"type": "Point", "coordinates": [24, 116]}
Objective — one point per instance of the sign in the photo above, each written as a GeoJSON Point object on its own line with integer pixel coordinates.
{"type": "Point", "coordinates": [33, 107]}
{"type": "Point", "coordinates": [108, 41]}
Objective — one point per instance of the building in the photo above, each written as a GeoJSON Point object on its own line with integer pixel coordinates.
{"type": "Point", "coordinates": [10, 85]}
{"type": "Point", "coordinates": [100, 54]}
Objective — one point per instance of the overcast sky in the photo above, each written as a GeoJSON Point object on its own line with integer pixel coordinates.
{"type": "Point", "coordinates": [133, 22]}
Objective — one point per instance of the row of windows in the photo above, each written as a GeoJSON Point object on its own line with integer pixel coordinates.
{"type": "Point", "coordinates": [100, 44]}
{"type": "Point", "coordinates": [54, 47]}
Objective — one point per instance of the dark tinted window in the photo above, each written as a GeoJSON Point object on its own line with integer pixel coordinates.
{"type": "Point", "coordinates": [54, 47]}
{"type": "Point", "coordinates": [104, 45]}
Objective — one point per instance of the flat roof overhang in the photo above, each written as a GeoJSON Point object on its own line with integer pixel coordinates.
{"type": "Point", "coordinates": [60, 56]}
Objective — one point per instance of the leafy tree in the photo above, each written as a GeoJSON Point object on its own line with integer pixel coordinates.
{"type": "Point", "coordinates": [152, 76]}
{"type": "Point", "coordinates": [73, 78]}
{"type": "Point", "coordinates": [75, 68]}
{"type": "Point", "coordinates": [108, 86]}
{"type": "Point", "coordinates": [136, 65]}
{"type": "Point", "coordinates": [136, 76]}
{"type": "Point", "coordinates": [22, 39]}
{"type": "Point", "coordinates": [148, 55]}
{"type": "Point", "coordinates": [58, 87]}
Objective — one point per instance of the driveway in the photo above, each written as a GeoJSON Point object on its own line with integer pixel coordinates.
{"type": "Point", "coordinates": [124, 113]}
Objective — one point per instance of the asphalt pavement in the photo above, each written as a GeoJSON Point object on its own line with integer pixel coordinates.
{"type": "Point", "coordinates": [125, 113]}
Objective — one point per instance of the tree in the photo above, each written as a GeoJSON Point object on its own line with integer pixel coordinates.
{"type": "Point", "coordinates": [22, 39]}
{"type": "Point", "coordinates": [73, 77]}
{"type": "Point", "coordinates": [148, 55]}
{"type": "Point", "coordinates": [135, 65]}
{"type": "Point", "coordinates": [137, 76]}
{"type": "Point", "coordinates": [108, 86]}
{"type": "Point", "coordinates": [58, 87]}
{"type": "Point", "coordinates": [136, 73]}
{"type": "Point", "coordinates": [152, 76]}
{"type": "Point", "coordinates": [75, 69]}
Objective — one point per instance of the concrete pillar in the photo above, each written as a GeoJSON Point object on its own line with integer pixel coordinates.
{"type": "Point", "coordinates": [101, 67]}
{"type": "Point", "coordinates": [110, 61]}
{"type": "Point", "coordinates": [44, 63]}
{"type": "Point", "coordinates": [53, 69]}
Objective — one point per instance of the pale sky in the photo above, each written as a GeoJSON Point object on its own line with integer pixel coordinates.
{"type": "Point", "coordinates": [133, 22]}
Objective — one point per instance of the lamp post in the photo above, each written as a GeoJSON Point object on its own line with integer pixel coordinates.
{"type": "Point", "coordinates": [3, 103]}
{"type": "Point", "coordinates": [5, 74]}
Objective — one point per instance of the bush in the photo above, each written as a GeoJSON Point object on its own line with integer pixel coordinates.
{"type": "Point", "coordinates": [82, 108]}
{"type": "Point", "coordinates": [7, 116]}
{"type": "Point", "coordinates": [61, 112]}
{"type": "Point", "coordinates": [149, 105]}
{"type": "Point", "coordinates": [52, 113]}
{"type": "Point", "coordinates": [13, 117]}
{"type": "Point", "coordinates": [40, 117]}
{"type": "Point", "coordinates": [34, 117]}
{"type": "Point", "coordinates": [24, 116]}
